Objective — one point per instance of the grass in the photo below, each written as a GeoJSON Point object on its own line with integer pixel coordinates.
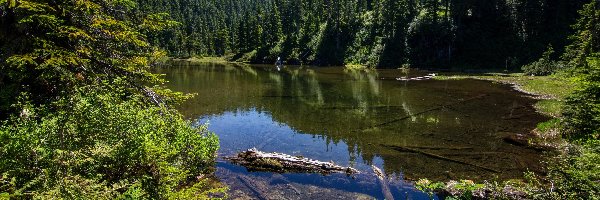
{"type": "Point", "coordinates": [551, 107]}
{"type": "Point", "coordinates": [205, 59]}
{"type": "Point", "coordinates": [355, 67]}
{"type": "Point", "coordinates": [548, 125]}
{"type": "Point", "coordinates": [552, 87]}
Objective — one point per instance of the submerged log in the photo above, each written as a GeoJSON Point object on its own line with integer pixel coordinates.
{"type": "Point", "coordinates": [358, 107]}
{"type": "Point", "coordinates": [258, 189]}
{"type": "Point", "coordinates": [440, 157]}
{"type": "Point", "coordinates": [262, 161]}
{"type": "Point", "coordinates": [428, 110]}
{"type": "Point", "coordinates": [441, 147]}
{"type": "Point", "coordinates": [517, 139]}
{"type": "Point", "coordinates": [526, 140]}
{"type": "Point", "coordinates": [385, 188]}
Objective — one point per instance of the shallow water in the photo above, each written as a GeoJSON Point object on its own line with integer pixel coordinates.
{"type": "Point", "coordinates": [356, 119]}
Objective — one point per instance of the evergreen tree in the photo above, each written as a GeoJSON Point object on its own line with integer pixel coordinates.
{"type": "Point", "coordinates": [80, 117]}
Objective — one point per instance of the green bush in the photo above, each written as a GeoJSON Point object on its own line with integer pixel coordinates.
{"type": "Point", "coordinates": [96, 145]}
{"type": "Point", "coordinates": [582, 110]}
{"type": "Point", "coordinates": [80, 115]}
{"type": "Point", "coordinates": [574, 174]}
{"type": "Point", "coordinates": [544, 66]}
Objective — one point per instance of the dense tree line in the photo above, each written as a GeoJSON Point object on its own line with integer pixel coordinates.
{"type": "Point", "coordinates": [379, 33]}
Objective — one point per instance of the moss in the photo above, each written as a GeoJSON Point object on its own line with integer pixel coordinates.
{"type": "Point", "coordinates": [268, 163]}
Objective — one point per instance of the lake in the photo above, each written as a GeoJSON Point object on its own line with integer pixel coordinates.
{"type": "Point", "coordinates": [358, 119]}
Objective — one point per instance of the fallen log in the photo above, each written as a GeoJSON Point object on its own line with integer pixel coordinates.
{"type": "Point", "coordinates": [385, 188]}
{"type": "Point", "coordinates": [526, 140]}
{"type": "Point", "coordinates": [358, 107]}
{"type": "Point", "coordinates": [256, 160]}
{"type": "Point", "coordinates": [441, 148]}
{"type": "Point", "coordinates": [407, 149]}
{"type": "Point", "coordinates": [518, 139]}
{"type": "Point", "coordinates": [428, 110]}
{"type": "Point", "coordinates": [257, 189]}
{"type": "Point", "coordinates": [474, 153]}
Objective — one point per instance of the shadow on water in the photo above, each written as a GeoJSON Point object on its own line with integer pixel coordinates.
{"type": "Point", "coordinates": [439, 130]}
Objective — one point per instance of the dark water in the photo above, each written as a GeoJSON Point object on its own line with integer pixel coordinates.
{"type": "Point", "coordinates": [357, 119]}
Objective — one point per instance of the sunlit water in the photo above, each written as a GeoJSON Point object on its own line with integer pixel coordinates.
{"type": "Point", "coordinates": [356, 119]}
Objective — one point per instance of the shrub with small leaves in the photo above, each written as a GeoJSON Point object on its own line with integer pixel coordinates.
{"type": "Point", "coordinates": [544, 66]}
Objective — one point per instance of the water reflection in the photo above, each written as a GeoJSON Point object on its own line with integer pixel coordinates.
{"type": "Point", "coordinates": [357, 118]}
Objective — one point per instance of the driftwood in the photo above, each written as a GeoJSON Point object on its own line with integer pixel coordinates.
{"type": "Point", "coordinates": [385, 188]}
{"type": "Point", "coordinates": [517, 139]}
{"type": "Point", "coordinates": [429, 110]}
{"type": "Point", "coordinates": [440, 157]}
{"type": "Point", "coordinates": [419, 78]}
{"type": "Point", "coordinates": [261, 161]}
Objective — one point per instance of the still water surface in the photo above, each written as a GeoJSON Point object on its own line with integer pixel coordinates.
{"type": "Point", "coordinates": [356, 119]}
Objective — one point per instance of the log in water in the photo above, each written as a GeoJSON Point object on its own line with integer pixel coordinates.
{"type": "Point", "coordinates": [254, 159]}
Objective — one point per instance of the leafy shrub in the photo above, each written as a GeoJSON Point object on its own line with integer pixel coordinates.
{"type": "Point", "coordinates": [463, 189]}
{"type": "Point", "coordinates": [429, 187]}
{"type": "Point", "coordinates": [77, 118]}
{"type": "Point", "coordinates": [96, 145]}
{"type": "Point", "coordinates": [582, 110]}
{"type": "Point", "coordinates": [544, 66]}
{"type": "Point", "coordinates": [574, 174]}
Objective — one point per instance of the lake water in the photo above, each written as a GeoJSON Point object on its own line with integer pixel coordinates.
{"type": "Point", "coordinates": [356, 119]}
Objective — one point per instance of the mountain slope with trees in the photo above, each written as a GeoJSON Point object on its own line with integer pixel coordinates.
{"type": "Point", "coordinates": [497, 34]}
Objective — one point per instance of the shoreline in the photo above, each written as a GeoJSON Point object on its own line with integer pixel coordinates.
{"type": "Point", "coordinates": [545, 140]}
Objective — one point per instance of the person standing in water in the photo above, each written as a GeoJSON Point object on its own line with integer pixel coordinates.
{"type": "Point", "coordinates": [279, 62]}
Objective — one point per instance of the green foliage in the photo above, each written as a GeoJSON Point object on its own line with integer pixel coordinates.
{"type": "Point", "coordinates": [544, 66]}
{"type": "Point", "coordinates": [548, 125]}
{"type": "Point", "coordinates": [380, 33]}
{"type": "Point", "coordinates": [429, 187]}
{"type": "Point", "coordinates": [82, 117]}
{"type": "Point", "coordinates": [550, 107]}
{"type": "Point", "coordinates": [98, 144]}
{"type": "Point", "coordinates": [585, 41]}
{"type": "Point", "coordinates": [52, 48]}
{"type": "Point", "coordinates": [582, 110]}
{"type": "Point", "coordinates": [574, 174]}
{"type": "Point", "coordinates": [463, 189]}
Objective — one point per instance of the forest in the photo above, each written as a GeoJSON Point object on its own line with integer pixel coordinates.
{"type": "Point", "coordinates": [85, 115]}
{"type": "Point", "coordinates": [435, 34]}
